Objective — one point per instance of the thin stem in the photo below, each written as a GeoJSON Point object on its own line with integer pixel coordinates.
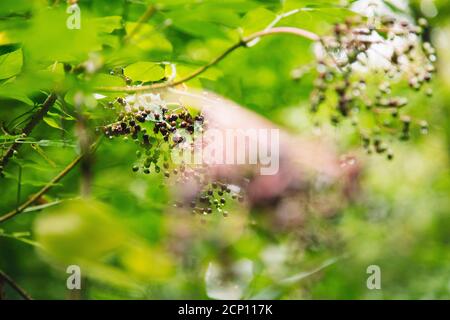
{"type": "Point", "coordinates": [14, 285]}
{"type": "Point", "coordinates": [242, 43]}
{"type": "Point", "coordinates": [84, 142]}
{"type": "Point", "coordinates": [35, 119]}
{"type": "Point", "coordinates": [207, 66]}
{"type": "Point", "coordinates": [2, 284]}
{"type": "Point", "coordinates": [47, 187]}
{"type": "Point", "coordinates": [284, 15]}
{"type": "Point", "coordinates": [277, 19]}
{"type": "Point", "coordinates": [19, 185]}
{"type": "Point", "coordinates": [290, 30]}
{"type": "Point", "coordinates": [151, 9]}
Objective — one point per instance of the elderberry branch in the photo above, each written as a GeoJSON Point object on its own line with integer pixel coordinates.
{"type": "Point", "coordinates": [35, 119]}
{"type": "Point", "coordinates": [49, 185]}
{"type": "Point", "coordinates": [151, 10]}
{"type": "Point", "coordinates": [14, 285]}
{"type": "Point", "coordinates": [242, 43]}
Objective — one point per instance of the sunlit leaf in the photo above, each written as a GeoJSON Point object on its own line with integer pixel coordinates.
{"type": "Point", "coordinates": [144, 71]}
{"type": "Point", "coordinates": [108, 24]}
{"type": "Point", "coordinates": [256, 20]}
{"type": "Point", "coordinates": [11, 64]}
{"type": "Point", "coordinates": [78, 229]}
{"type": "Point", "coordinates": [52, 123]}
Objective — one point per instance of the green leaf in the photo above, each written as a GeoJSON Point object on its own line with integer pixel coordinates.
{"type": "Point", "coordinates": [44, 206]}
{"type": "Point", "coordinates": [56, 42]}
{"type": "Point", "coordinates": [108, 24]}
{"type": "Point", "coordinates": [20, 236]}
{"type": "Point", "coordinates": [17, 96]}
{"type": "Point", "coordinates": [103, 80]}
{"type": "Point", "coordinates": [393, 6]}
{"type": "Point", "coordinates": [41, 152]}
{"type": "Point", "coordinates": [71, 230]}
{"type": "Point", "coordinates": [9, 137]}
{"type": "Point", "coordinates": [149, 39]}
{"type": "Point", "coordinates": [144, 71]}
{"type": "Point", "coordinates": [16, 6]}
{"type": "Point", "coordinates": [256, 20]}
{"type": "Point", "coordinates": [14, 94]}
{"type": "Point", "coordinates": [205, 13]}
{"type": "Point", "coordinates": [52, 123]}
{"type": "Point", "coordinates": [11, 64]}
{"type": "Point", "coordinates": [203, 29]}
{"type": "Point", "coordinates": [54, 143]}
{"type": "Point", "coordinates": [33, 182]}
{"type": "Point", "coordinates": [63, 115]}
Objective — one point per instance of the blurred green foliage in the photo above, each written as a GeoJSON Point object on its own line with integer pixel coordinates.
{"type": "Point", "coordinates": [129, 241]}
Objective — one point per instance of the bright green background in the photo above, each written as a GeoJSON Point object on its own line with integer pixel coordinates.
{"type": "Point", "coordinates": [131, 242]}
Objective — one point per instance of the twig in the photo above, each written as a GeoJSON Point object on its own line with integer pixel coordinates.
{"type": "Point", "coordinates": [19, 185]}
{"type": "Point", "coordinates": [277, 19]}
{"type": "Point", "coordinates": [14, 285]}
{"type": "Point", "coordinates": [35, 119]}
{"type": "Point", "coordinates": [47, 187]}
{"type": "Point", "coordinates": [151, 9]}
{"type": "Point", "coordinates": [84, 142]}
{"type": "Point", "coordinates": [242, 43]}
{"type": "Point", "coordinates": [290, 30]}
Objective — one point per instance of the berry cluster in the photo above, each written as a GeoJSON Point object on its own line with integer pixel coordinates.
{"type": "Point", "coordinates": [160, 131]}
{"type": "Point", "coordinates": [214, 195]}
{"type": "Point", "coordinates": [155, 129]}
{"type": "Point", "coordinates": [386, 50]}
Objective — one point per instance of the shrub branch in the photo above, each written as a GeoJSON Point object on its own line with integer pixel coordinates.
{"type": "Point", "coordinates": [35, 119]}
{"type": "Point", "coordinates": [242, 43]}
{"type": "Point", "coordinates": [14, 285]}
{"type": "Point", "coordinates": [48, 186]}
{"type": "Point", "coordinates": [151, 9]}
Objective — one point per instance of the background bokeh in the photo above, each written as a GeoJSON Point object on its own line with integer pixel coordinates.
{"type": "Point", "coordinates": [131, 243]}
